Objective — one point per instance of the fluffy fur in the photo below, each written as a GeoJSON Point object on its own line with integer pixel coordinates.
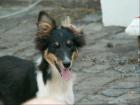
{"type": "Point", "coordinates": [17, 80]}
{"type": "Point", "coordinates": [58, 46]}
{"type": "Point", "coordinates": [55, 88]}
{"type": "Point", "coordinates": [53, 60]}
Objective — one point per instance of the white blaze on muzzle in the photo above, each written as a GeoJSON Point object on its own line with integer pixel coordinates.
{"type": "Point", "coordinates": [65, 71]}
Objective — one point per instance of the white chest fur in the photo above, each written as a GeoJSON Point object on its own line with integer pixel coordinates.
{"type": "Point", "coordinates": [56, 88]}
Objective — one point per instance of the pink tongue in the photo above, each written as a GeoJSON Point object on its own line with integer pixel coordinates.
{"type": "Point", "coordinates": [66, 74]}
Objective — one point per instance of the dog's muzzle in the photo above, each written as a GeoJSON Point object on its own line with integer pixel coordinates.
{"type": "Point", "coordinates": [65, 71]}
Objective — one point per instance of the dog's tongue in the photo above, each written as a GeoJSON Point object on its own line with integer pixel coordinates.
{"type": "Point", "coordinates": [66, 74]}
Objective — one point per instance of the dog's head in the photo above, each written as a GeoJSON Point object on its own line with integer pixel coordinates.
{"type": "Point", "coordinates": [58, 44]}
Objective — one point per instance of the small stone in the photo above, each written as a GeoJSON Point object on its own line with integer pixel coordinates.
{"type": "Point", "coordinates": [109, 45]}
{"type": "Point", "coordinates": [122, 62]}
{"type": "Point", "coordinates": [98, 99]}
{"type": "Point", "coordinates": [114, 92]}
{"type": "Point", "coordinates": [3, 47]}
{"type": "Point", "coordinates": [126, 100]}
{"type": "Point", "coordinates": [127, 85]}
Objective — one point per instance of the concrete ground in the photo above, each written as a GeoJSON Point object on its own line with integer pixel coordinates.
{"type": "Point", "coordinates": [107, 71]}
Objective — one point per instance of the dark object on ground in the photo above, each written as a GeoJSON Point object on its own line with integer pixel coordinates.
{"type": "Point", "coordinates": [17, 80]}
{"type": "Point", "coordinates": [109, 45]}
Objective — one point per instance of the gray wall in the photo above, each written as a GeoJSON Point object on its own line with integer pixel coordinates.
{"type": "Point", "coordinates": [63, 3]}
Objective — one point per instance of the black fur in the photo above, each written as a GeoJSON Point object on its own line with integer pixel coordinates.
{"type": "Point", "coordinates": [43, 43]}
{"type": "Point", "coordinates": [17, 80]}
{"type": "Point", "coordinates": [58, 34]}
{"type": "Point", "coordinates": [44, 67]}
{"type": "Point", "coordinates": [17, 76]}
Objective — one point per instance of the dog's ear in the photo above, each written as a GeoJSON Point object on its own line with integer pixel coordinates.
{"type": "Point", "coordinates": [79, 38]}
{"type": "Point", "coordinates": [45, 24]}
{"type": "Point", "coordinates": [68, 24]}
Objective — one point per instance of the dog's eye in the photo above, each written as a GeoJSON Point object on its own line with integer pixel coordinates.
{"type": "Point", "coordinates": [56, 45]}
{"type": "Point", "coordinates": [69, 43]}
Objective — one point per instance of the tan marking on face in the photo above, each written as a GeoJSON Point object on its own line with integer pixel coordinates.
{"type": "Point", "coordinates": [74, 55]}
{"type": "Point", "coordinates": [50, 57]}
{"type": "Point", "coordinates": [56, 44]}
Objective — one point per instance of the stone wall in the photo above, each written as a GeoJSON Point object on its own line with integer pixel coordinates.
{"type": "Point", "coordinates": [62, 3]}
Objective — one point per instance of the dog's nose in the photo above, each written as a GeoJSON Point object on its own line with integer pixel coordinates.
{"type": "Point", "coordinates": [66, 64]}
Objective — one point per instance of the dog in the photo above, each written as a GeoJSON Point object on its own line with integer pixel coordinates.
{"type": "Point", "coordinates": [17, 80]}
{"type": "Point", "coordinates": [59, 48]}
{"type": "Point", "coordinates": [52, 77]}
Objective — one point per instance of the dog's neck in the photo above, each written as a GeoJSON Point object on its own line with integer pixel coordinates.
{"type": "Point", "coordinates": [56, 87]}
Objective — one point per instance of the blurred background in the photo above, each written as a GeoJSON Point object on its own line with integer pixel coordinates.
{"type": "Point", "coordinates": [107, 69]}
